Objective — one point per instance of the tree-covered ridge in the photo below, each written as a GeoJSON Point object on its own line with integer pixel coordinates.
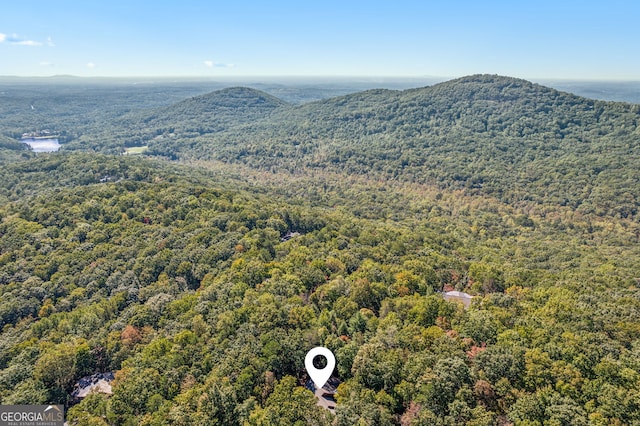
{"type": "Point", "coordinates": [180, 281]}
{"type": "Point", "coordinates": [493, 135]}
{"type": "Point", "coordinates": [211, 113]}
{"type": "Point", "coordinates": [201, 114]}
{"type": "Point", "coordinates": [509, 138]}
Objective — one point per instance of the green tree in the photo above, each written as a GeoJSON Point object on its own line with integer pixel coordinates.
{"type": "Point", "coordinates": [291, 405]}
{"type": "Point", "coordinates": [56, 367]}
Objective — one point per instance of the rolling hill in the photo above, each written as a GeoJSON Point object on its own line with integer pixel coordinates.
{"type": "Point", "coordinates": [214, 112]}
{"type": "Point", "coordinates": [505, 137]}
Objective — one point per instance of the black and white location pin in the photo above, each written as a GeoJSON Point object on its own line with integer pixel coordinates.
{"type": "Point", "coordinates": [319, 376]}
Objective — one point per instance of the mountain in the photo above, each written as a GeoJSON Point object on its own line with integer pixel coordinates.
{"type": "Point", "coordinates": [501, 136]}
{"type": "Point", "coordinates": [213, 112]}
{"type": "Point", "coordinates": [210, 113]}
{"type": "Point", "coordinates": [239, 101]}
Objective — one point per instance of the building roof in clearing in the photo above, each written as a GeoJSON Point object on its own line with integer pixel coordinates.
{"type": "Point", "coordinates": [459, 296]}
{"type": "Point", "coordinates": [98, 383]}
{"type": "Point", "coordinates": [326, 394]}
{"type": "Point", "coordinates": [102, 386]}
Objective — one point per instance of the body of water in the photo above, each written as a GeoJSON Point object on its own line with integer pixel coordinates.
{"type": "Point", "coordinates": [42, 145]}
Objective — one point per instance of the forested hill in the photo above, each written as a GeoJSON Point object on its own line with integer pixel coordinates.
{"type": "Point", "coordinates": [213, 112]}
{"type": "Point", "coordinates": [234, 104]}
{"type": "Point", "coordinates": [496, 135]}
{"type": "Point", "coordinates": [486, 134]}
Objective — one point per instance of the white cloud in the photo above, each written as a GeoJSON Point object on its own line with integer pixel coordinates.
{"type": "Point", "coordinates": [91, 65]}
{"type": "Point", "coordinates": [18, 41]}
{"type": "Point", "coordinates": [50, 42]}
{"type": "Point", "coordinates": [27, 43]}
{"type": "Point", "coordinates": [46, 64]}
{"type": "Point", "coordinates": [212, 64]}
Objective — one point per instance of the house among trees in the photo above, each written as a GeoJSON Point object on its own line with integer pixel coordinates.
{"type": "Point", "coordinates": [325, 395]}
{"type": "Point", "coordinates": [97, 383]}
{"type": "Point", "coordinates": [458, 296]}
{"type": "Point", "coordinates": [289, 235]}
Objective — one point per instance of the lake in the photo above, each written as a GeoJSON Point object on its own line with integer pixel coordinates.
{"type": "Point", "coordinates": [42, 144]}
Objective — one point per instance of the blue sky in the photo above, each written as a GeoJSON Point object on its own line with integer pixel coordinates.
{"type": "Point", "coordinates": [529, 39]}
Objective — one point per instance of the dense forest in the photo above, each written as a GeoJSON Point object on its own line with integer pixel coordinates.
{"type": "Point", "coordinates": [202, 283]}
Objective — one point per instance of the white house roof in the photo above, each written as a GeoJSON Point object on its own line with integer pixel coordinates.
{"type": "Point", "coordinates": [459, 296]}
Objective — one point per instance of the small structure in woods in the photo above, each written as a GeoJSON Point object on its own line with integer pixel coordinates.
{"type": "Point", "coordinates": [289, 235]}
{"type": "Point", "coordinates": [97, 383]}
{"type": "Point", "coordinates": [458, 296]}
{"type": "Point", "coordinates": [325, 395]}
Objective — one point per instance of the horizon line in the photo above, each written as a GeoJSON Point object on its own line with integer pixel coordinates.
{"type": "Point", "coordinates": [305, 76]}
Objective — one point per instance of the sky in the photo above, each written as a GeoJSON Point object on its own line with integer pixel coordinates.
{"type": "Point", "coordinates": [591, 40]}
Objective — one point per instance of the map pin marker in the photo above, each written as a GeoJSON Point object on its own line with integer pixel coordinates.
{"type": "Point", "coordinates": [319, 375]}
